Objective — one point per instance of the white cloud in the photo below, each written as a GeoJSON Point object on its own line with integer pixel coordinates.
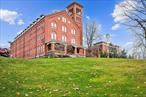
{"type": "Point", "coordinates": [9, 16]}
{"type": "Point", "coordinates": [99, 27]}
{"type": "Point", "coordinates": [126, 6]}
{"type": "Point", "coordinates": [118, 13]}
{"type": "Point", "coordinates": [88, 17]}
{"type": "Point", "coordinates": [2, 45]}
{"type": "Point", "coordinates": [115, 27]}
{"type": "Point", "coordinates": [128, 46]}
{"type": "Point", "coordinates": [55, 10]}
{"type": "Point", "coordinates": [123, 7]}
{"type": "Point", "coordinates": [20, 22]}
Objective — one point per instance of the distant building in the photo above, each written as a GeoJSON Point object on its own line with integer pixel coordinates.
{"type": "Point", "coordinates": [59, 33]}
{"type": "Point", "coordinates": [104, 47]}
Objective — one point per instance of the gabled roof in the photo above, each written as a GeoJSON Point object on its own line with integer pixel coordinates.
{"type": "Point", "coordinates": [101, 42]}
{"type": "Point", "coordinates": [30, 26]}
{"type": "Point", "coordinates": [73, 4]}
{"type": "Point", "coordinates": [42, 16]}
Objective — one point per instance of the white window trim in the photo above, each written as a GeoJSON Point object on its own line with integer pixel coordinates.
{"type": "Point", "coordinates": [69, 22]}
{"type": "Point", "coordinates": [64, 29]}
{"type": "Point", "coordinates": [73, 31]}
{"type": "Point", "coordinates": [64, 19]}
{"type": "Point", "coordinates": [53, 25]}
{"type": "Point", "coordinates": [53, 35]}
{"type": "Point", "coordinates": [64, 38]}
{"type": "Point", "coordinates": [58, 18]}
{"type": "Point", "coordinates": [73, 41]}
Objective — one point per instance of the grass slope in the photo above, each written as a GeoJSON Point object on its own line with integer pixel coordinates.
{"type": "Point", "coordinates": [72, 77]}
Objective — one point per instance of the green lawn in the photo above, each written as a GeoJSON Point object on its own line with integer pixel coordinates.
{"type": "Point", "coordinates": [72, 77]}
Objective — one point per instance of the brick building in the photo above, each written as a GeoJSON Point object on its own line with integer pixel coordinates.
{"type": "Point", "coordinates": [59, 33]}
{"type": "Point", "coordinates": [104, 47]}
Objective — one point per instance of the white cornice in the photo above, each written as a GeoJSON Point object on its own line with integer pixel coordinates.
{"type": "Point", "coordinates": [30, 26]}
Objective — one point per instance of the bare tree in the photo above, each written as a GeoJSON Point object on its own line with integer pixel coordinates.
{"type": "Point", "coordinates": [139, 50]}
{"type": "Point", "coordinates": [91, 36]}
{"type": "Point", "coordinates": [91, 33]}
{"type": "Point", "coordinates": [134, 14]}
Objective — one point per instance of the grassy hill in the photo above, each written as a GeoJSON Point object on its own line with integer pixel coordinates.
{"type": "Point", "coordinates": [72, 77]}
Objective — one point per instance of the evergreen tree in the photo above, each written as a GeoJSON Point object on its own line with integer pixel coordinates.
{"type": "Point", "coordinates": [123, 54]}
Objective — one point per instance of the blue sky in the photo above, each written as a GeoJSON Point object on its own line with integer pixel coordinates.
{"type": "Point", "coordinates": [26, 11]}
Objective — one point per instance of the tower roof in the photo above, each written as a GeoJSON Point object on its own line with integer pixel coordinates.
{"type": "Point", "coordinates": [73, 4]}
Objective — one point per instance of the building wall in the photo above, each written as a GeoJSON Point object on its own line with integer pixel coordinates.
{"type": "Point", "coordinates": [102, 47]}
{"type": "Point", "coordinates": [106, 48]}
{"type": "Point", "coordinates": [69, 24]}
{"type": "Point", "coordinates": [32, 43]}
{"type": "Point", "coordinates": [76, 17]}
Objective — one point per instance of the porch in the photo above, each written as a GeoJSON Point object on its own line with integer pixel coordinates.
{"type": "Point", "coordinates": [64, 50]}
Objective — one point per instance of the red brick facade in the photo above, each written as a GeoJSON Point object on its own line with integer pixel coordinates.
{"type": "Point", "coordinates": [44, 34]}
{"type": "Point", "coordinates": [104, 47]}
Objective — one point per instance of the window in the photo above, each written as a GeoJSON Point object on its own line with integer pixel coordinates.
{"type": "Point", "coordinates": [64, 38]}
{"type": "Point", "coordinates": [78, 11]}
{"type": "Point", "coordinates": [41, 36]}
{"type": "Point", "coordinates": [53, 36]}
{"type": "Point", "coordinates": [69, 22]}
{"type": "Point", "coordinates": [73, 31]}
{"type": "Point", "coordinates": [42, 48]}
{"type": "Point", "coordinates": [64, 19]}
{"type": "Point", "coordinates": [73, 41]}
{"type": "Point", "coordinates": [64, 29]}
{"type": "Point", "coordinates": [71, 11]}
{"type": "Point", "coordinates": [58, 18]}
{"type": "Point", "coordinates": [53, 25]}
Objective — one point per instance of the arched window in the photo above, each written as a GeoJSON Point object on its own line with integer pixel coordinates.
{"type": "Point", "coordinates": [53, 36]}
{"type": "Point", "coordinates": [64, 38]}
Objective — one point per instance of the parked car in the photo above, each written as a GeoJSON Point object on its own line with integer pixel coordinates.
{"type": "Point", "coordinates": [4, 52]}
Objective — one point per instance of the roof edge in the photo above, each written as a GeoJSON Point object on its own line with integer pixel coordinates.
{"type": "Point", "coordinates": [74, 3]}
